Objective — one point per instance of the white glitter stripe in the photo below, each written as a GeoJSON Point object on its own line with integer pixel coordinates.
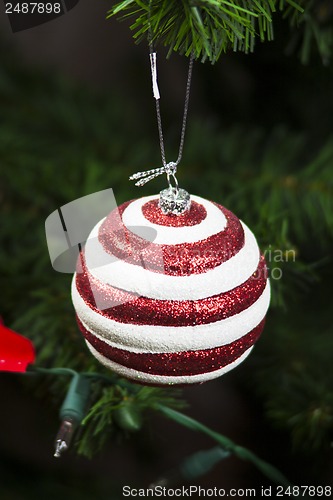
{"type": "Point", "coordinates": [158, 339]}
{"type": "Point", "coordinates": [133, 278]}
{"type": "Point", "coordinates": [143, 377]}
{"type": "Point", "coordinates": [214, 222]}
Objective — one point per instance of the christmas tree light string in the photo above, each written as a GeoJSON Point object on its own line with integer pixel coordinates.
{"type": "Point", "coordinates": [76, 401]}
{"type": "Point", "coordinates": [74, 409]}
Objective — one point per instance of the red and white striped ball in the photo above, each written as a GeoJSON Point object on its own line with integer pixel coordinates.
{"type": "Point", "coordinates": [184, 308]}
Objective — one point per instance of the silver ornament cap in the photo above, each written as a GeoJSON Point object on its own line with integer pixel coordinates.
{"type": "Point", "coordinates": [174, 200]}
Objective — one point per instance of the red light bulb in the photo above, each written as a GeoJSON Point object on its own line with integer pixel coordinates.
{"type": "Point", "coordinates": [16, 351]}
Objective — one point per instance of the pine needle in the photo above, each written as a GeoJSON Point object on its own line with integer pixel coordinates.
{"type": "Point", "coordinates": [206, 28]}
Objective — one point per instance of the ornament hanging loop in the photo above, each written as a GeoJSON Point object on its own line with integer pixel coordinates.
{"type": "Point", "coordinates": [173, 200]}
{"type": "Point", "coordinates": [171, 169]}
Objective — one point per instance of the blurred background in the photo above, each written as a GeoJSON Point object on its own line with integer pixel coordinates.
{"type": "Point", "coordinates": [77, 116]}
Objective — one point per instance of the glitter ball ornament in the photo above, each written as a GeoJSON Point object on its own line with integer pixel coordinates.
{"type": "Point", "coordinates": [166, 299]}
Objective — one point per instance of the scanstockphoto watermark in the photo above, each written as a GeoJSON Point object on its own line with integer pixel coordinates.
{"type": "Point", "coordinates": [187, 491]}
{"type": "Point", "coordinates": [260, 492]}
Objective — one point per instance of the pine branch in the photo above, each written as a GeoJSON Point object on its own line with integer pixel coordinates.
{"type": "Point", "coordinates": [204, 28]}
{"type": "Point", "coordinates": [302, 400]}
{"type": "Point", "coordinates": [116, 410]}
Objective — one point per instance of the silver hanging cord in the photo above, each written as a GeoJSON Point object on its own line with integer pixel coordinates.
{"type": "Point", "coordinates": [146, 176]}
{"type": "Point", "coordinates": [169, 168]}
{"type": "Point", "coordinates": [158, 111]}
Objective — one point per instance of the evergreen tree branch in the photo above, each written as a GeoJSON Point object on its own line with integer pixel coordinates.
{"type": "Point", "coordinates": [204, 28]}
{"type": "Point", "coordinates": [116, 411]}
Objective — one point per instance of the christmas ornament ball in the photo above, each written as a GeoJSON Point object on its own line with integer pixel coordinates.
{"type": "Point", "coordinates": [171, 299]}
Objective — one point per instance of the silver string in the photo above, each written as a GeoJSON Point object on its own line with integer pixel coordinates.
{"type": "Point", "coordinates": [169, 168]}
{"type": "Point", "coordinates": [187, 100]}
{"type": "Point", "coordinates": [186, 105]}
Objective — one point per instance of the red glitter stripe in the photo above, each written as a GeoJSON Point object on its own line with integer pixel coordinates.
{"type": "Point", "coordinates": [175, 260]}
{"type": "Point", "coordinates": [195, 215]}
{"type": "Point", "coordinates": [126, 307]}
{"type": "Point", "coordinates": [176, 363]}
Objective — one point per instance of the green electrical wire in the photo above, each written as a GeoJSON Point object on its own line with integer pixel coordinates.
{"type": "Point", "coordinates": [34, 370]}
{"type": "Point", "coordinates": [201, 462]}
{"type": "Point", "coordinates": [193, 467]}
{"type": "Point", "coordinates": [225, 443]}
{"type": "Point", "coordinates": [267, 469]}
